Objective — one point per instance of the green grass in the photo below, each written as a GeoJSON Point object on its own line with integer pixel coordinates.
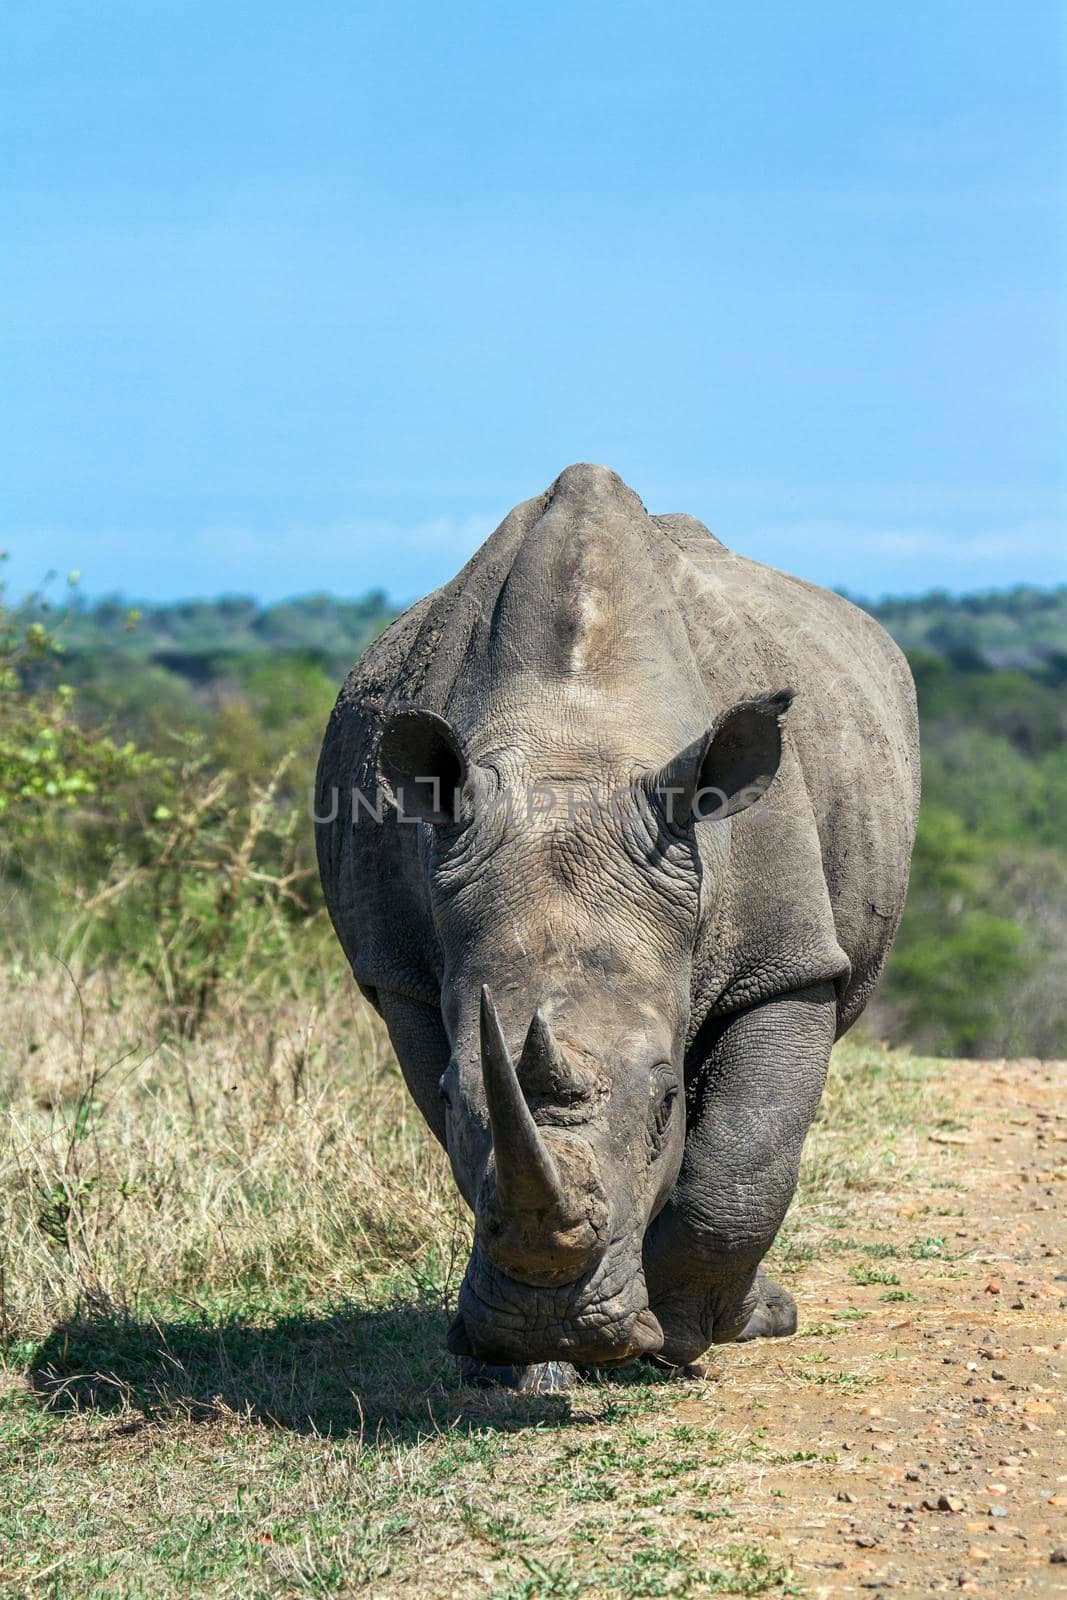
{"type": "Point", "coordinates": [865, 1276]}
{"type": "Point", "coordinates": [125, 1503]}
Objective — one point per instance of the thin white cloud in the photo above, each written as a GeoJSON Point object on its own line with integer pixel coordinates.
{"type": "Point", "coordinates": [1026, 539]}
{"type": "Point", "coordinates": [407, 558]}
{"type": "Point", "coordinates": [348, 556]}
{"type": "Point", "coordinates": [330, 541]}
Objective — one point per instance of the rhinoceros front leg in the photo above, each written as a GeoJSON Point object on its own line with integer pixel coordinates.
{"type": "Point", "coordinates": [421, 1046]}
{"type": "Point", "coordinates": [753, 1083]}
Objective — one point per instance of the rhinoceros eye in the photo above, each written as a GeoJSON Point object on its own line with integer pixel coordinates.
{"type": "Point", "coordinates": [665, 1097]}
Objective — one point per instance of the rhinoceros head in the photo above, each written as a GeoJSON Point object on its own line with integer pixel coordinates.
{"type": "Point", "coordinates": [576, 805]}
{"type": "Point", "coordinates": [567, 937]}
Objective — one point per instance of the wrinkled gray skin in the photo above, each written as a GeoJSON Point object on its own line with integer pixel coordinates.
{"type": "Point", "coordinates": [618, 1020]}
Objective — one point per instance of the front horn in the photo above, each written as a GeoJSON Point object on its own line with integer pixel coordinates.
{"type": "Point", "coordinates": [527, 1178]}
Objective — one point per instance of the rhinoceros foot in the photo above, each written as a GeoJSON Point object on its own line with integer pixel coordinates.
{"type": "Point", "coordinates": [775, 1316]}
{"type": "Point", "coordinates": [544, 1377]}
{"type": "Point", "coordinates": [695, 1318]}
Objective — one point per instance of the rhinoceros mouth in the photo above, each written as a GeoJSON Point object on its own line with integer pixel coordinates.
{"type": "Point", "coordinates": [603, 1321]}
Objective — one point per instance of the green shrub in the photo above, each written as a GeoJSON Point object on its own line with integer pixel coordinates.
{"type": "Point", "coordinates": [956, 960]}
{"type": "Point", "coordinates": [168, 863]}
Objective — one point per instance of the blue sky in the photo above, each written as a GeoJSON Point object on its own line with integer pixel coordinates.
{"type": "Point", "coordinates": [306, 297]}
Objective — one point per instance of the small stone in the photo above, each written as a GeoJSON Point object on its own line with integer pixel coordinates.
{"type": "Point", "coordinates": [1059, 1556]}
{"type": "Point", "coordinates": [996, 1511]}
{"type": "Point", "coordinates": [849, 1499]}
{"type": "Point", "coordinates": [912, 1477]}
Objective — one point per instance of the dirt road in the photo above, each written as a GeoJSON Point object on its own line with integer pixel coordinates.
{"type": "Point", "coordinates": [951, 1467]}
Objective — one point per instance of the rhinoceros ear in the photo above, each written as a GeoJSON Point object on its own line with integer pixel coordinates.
{"type": "Point", "coordinates": [422, 766]}
{"type": "Point", "coordinates": [733, 765]}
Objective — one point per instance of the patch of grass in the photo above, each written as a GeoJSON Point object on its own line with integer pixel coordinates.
{"type": "Point", "coordinates": [879, 1249]}
{"type": "Point", "coordinates": [850, 1382]}
{"type": "Point", "coordinates": [865, 1276]}
{"type": "Point", "coordinates": [659, 1568]}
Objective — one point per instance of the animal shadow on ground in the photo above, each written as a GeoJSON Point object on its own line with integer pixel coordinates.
{"type": "Point", "coordinates": [383, 1374]}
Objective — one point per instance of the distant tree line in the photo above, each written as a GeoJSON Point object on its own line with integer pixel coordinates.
{"type": "Point", "coordinates": [138, 746]}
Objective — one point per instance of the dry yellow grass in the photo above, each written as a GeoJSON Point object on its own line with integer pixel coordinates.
{"type": "Point", "coordinates": [276, 1158]}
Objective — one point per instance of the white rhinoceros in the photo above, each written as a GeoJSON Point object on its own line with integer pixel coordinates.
{"type": "Point", "coordinates": [649, 814]}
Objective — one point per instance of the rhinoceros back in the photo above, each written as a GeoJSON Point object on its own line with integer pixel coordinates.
{"type": "Point", "coordinates": [852, 772]}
